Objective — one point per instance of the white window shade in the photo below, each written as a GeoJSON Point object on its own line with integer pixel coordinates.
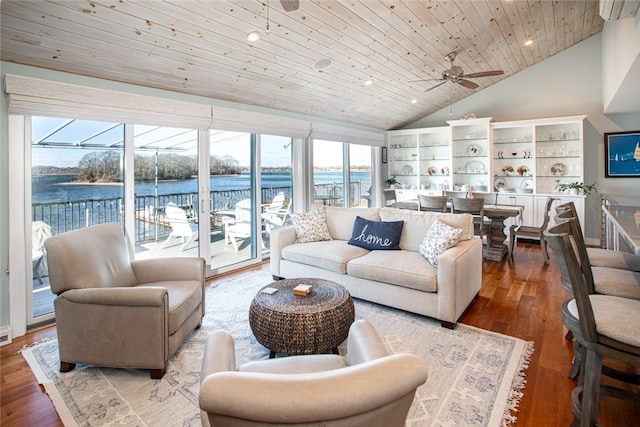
{"type": "Point", "coordinates": [331, 132]}
{"type": "Point", "coordinates": [36, 97]}
{"type": "Point", "coordinates": [254, 122]}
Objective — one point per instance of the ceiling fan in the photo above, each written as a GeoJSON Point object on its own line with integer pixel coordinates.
{"type": "Point", "coordinates": [455, 74]}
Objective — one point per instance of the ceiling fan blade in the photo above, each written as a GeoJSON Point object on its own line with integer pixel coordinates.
{"type": "Point", "coordinates": [468, 84]}
{"type": "Point", "coordinates": [484, 74]}
{"type": "Point", "coordinates": [438, 85]}
{"type": "Point", "coordinates": [289, 5]}
{"type": "Point", "coordinates": [425, 80]}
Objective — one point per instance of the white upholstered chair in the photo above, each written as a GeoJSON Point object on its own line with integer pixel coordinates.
{"type": "Point", "coordinates": [367, 388]}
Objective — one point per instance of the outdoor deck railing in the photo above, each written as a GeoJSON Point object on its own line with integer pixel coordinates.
{"type": "Point", "coordinates": [150, 224]}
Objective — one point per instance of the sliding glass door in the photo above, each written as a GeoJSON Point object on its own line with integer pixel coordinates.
{"type": "Point", "coordinates": [234, 227]}
{"type": "Point", "coordinates": [276, 183]}
{"type": "Point", "coordinates": [76, 181]}
{"type": "Point", "coordinates": [166, 192]}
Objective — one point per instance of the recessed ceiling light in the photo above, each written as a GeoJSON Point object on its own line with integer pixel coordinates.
{"type": "Point", "coordinates": [414, 101]}
{"type": "Point", "coordinates": [322, 64]}
{"type": "Point", "coordinates": [528, 42]}
{"type": "Point", "coordinates": [368, 83]}
{"type": "Point", "coordinates": [253, 36]}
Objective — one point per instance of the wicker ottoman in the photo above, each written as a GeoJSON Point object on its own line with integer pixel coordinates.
{"type": "Point", "coordinates": [290, 324]}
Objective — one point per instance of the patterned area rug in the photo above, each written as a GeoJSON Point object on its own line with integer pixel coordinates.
{"type": "Point", "coordinates": [476, 377]}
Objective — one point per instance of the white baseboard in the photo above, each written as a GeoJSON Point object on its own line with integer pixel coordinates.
{"type": "Point", "coordinates": [5, 335]}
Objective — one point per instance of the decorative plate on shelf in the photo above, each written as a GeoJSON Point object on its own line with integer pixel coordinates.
{"type": "Point", "coordinates": [407, 170]}
{"type": "Point", "coordinates": [445, 170]}
{"type": "Point", "coordinates": [527, 184]}
{"type": "Point", "coordinates": [558, 169]}
{"type": "Point", "coordinates": [474, 166]}
{"type": "Point", "coordinates": [432, 170]}
{"type": "Point", "coordinates": [523, 170]}
{"type": "Point", "coordinates": [500, 183]}
{"type": "Point", "coordinates": [507, 169]}
{"type": "Point", "coordinates": [474, 150]}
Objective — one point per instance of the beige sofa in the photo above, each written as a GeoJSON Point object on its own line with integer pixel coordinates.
{"type": "Point", "coordinates": [402, 278]}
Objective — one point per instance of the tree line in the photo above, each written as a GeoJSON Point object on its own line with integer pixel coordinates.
{"type": "Point", "coordinates": [105, 166]}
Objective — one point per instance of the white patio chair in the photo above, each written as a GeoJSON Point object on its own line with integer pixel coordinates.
{"type": "Point", "coordinates": [181, 227]}
{"type": "Point", "coordinates": [240, 226]}
{"type": "Point", "coordinates": [275, 207]}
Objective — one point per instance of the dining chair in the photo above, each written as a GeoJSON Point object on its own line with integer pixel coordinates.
{"type": "Point", "coordinates": [605, 280]}
{"type": "Point", "coordinates": [489, 198]}
{"type": "Point", "coordinates": [432, 203]}
{"type": "Point", "coordinates": [603, 326]}
{"type": "Point", "coordinates": [454, 194]}
{"type": "Point", "coordinates": [519, 230]}
{"type": "Point", "coordinates": [475, 207]}
{"type": "Point", "coordinates": [599, 257]}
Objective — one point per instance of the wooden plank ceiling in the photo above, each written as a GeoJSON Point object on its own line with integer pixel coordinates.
{"type": "Point", "coordinates": [200, 47]}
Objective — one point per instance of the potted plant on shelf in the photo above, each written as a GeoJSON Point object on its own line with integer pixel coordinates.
{"type": "Point", "coordinates": [574, 188]}
{"type": "Point", "coordinates": [392, 182]}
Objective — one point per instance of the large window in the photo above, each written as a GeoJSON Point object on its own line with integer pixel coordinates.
{"type": "Point", "coordinates": [328, 173]}
{"type": "Point", "coordinates": [360, 175]}
{"type": "Point", "coordinates": [333, 163]}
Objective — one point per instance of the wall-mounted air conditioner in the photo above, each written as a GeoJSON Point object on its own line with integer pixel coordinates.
{"type": "Point", "coordinates": [612, 10]}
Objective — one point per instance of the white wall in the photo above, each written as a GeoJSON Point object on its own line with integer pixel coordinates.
{"type": "Point", "coordinates": [566, 84]}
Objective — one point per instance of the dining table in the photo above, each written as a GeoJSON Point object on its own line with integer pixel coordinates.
{"type": "Point", "coordinates": [495, 249]}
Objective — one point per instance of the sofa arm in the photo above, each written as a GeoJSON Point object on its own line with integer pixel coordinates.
{"type": "Point", "coordinates": [175, 268]}
{"type": "Point", "coordinates": [306, 398]}
{"type": "Point", "coordinates": [280, 237]}
{"type": "Point", "coordinates": [459, 278]}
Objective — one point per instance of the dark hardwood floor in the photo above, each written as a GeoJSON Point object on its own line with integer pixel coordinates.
{"type": "Point", "coordinates": [521, 299]}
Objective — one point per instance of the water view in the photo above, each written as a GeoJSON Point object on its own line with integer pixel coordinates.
{"type": "Point", "coordinates": [57, 188]}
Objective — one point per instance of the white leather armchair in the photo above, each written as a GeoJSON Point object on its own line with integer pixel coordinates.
{"type": "Point", "coordinates": [114, 312]}
{"type": "Point", "coordinates": [367, 388]}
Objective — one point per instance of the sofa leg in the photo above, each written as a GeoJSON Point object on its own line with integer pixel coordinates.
{"type": "Point", "coordinates": [156, 374]}
{"type": "Point", "coordinates": [448, 325]}
{"type": "Point", "coordinates": [66, 366]}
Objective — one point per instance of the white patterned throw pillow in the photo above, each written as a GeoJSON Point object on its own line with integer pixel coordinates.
{"type": "Point", "coordinates": [311, 226]}
{"type": "Point", "coordinates": [438, 239]}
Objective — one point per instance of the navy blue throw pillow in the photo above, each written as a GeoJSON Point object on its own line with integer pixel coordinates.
{"type": "Point", "coordinates": [376, 235]}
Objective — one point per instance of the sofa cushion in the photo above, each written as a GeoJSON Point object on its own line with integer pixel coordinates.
{"type": "Point", "coordinates": [376, 235]}
{"type": "Point", "coordinates": [438, 239]}
{"type": "Point", "coordinates": [340, 220]}
{"type": "Point", "coordinates": [402, 268]}
{"type": "Point", "coordinates": [417, 223]}
{"type": "Point", "coordinates": [311, 226]}
{"type": "Point", "coordinates": [330, 255]}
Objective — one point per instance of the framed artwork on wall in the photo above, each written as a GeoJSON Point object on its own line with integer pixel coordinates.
{"type": "Point", "coordinates": [622, 154]}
